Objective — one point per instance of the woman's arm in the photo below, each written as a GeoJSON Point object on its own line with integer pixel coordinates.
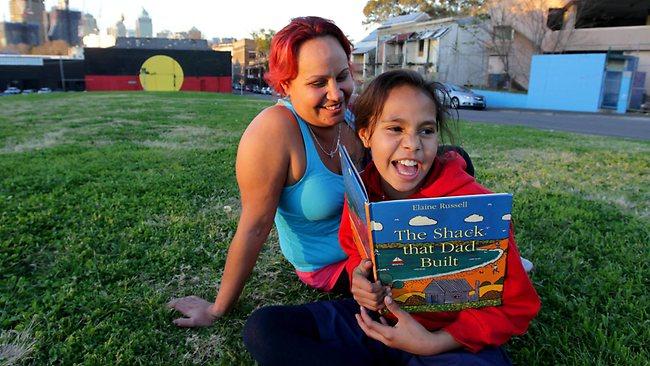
{"type": "Point", "coordinates": [263, 160]}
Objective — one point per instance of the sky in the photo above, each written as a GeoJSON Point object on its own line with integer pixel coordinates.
{"type": "Point", "coordinates": [218, 18]}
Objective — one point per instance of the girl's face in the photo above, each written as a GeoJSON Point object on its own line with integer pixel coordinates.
{"type": "Point", "coordinates": [323, 86]}
{"type": "Point", "coordinates": [403, 140]}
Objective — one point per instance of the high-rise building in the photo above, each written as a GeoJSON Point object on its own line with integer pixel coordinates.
{"type": "Point", "coordinates": [88, 25]}
{"type": "Point", "coordinates": [118, 30]}
{"type": "Point", "coordinates": [13, 33]}
{"type": "Point", "coordinates": [194, 33]}
{"type": "Point", "coordinates": [143, 27]}
{"type": "Point", "coordinates": [64, 25]}
{"type": "Point", "coordinates": [31, 12]}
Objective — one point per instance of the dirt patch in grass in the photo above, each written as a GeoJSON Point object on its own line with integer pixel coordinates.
{"type": "Point", "coordinates": [49, 139]}
{"type": "Point", "coordinates": [16, 346]}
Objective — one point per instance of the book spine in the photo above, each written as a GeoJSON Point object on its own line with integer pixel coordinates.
{"type": "Point", "coordinates": [371, 242]}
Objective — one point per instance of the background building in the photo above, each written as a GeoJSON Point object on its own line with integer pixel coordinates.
{"type": "Point", "coordinates": [164, 34]}
{"type": "Point", "coordinates": [194, 33]}
{"type": "Point", "coordinates": [117, 30]}
{"type": "Point", "coordinates": [119, 68]}
{"type": "Point", "coordinates": [88, 25]}
{"type": "Point", "coordinates": [243, 56]}
{"type": "Point", "coordinates": [143, 27]}
{"type": "Point", "coordinates": [32, 12]}
{"type": "Point", "coordinates": [64, 25]}
{"type": "Point", "coordinates": [19, 34]}
{"type": "Point", "coordinates": [34, 72]}
{"type": "Point", "coordinates": [443, 49]}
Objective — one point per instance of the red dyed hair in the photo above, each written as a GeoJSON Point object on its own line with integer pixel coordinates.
{"type": "Point", "coordinates": [283, 58]}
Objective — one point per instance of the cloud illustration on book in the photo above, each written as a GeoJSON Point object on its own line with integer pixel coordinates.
{"type": "Point", "coordinates": [376, 226]}
{"type": "Point", "coordinates": [474, 218]}
{"type": "Point", "coordinates": [422, 221]}
{"type": "Point", "coordinates": [506, 217]}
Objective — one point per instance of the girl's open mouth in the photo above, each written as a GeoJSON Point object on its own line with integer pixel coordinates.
{"type": "Point", "coordinates": [406, 168]}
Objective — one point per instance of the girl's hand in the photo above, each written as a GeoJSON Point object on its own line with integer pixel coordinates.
{"type": "Point", "coordinates": [198, 312]}
{"type": "Point", "coordinates": [407, 335]}
{"type": "Point", "coordinates": [368, 294]}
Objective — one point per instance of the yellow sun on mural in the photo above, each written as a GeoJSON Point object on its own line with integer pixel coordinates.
{"type": "Point", "coordinates": [161, 73]}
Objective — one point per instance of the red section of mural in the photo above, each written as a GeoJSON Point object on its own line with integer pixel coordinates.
{"type": "Point", "coordinates": [112, 82]}
{"type": "Point", "coordinates": [219, 84]}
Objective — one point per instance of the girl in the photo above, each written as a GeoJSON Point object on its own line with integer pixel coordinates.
{"type": "Point", "coordinates": [400, 119]}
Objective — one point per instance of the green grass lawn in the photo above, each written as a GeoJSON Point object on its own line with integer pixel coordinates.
{"type": "Point", "coordinates": [112, 204]}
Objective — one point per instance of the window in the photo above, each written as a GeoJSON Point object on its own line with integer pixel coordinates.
{"type": "Point", "coordinates": [504, 32]}
{"type": "Point", "coordinates": [555, 18]}
{"type": "Point", "coordinates": [421, 48]}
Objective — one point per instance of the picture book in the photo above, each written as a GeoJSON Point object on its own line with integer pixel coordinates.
{"type": "Point", "coordinates": [437, 254]}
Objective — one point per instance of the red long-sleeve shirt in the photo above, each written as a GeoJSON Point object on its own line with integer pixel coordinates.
{"type": "Point", "coordinates": [473, 328]}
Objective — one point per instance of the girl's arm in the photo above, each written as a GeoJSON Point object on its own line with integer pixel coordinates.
{"type": "Point", "coordinates": [407, 334]}
{"type": "Point", "coordinates": [495, 325]}
{"type": "Point", "coordinates": [262, 165]}
{"type": "Point", "coordinates": [366, 293]}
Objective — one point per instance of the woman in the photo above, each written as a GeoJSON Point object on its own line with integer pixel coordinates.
{"type": "Point", "coordinates": [288, 168]}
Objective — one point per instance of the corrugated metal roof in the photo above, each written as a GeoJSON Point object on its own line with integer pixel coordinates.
{"type": "Point", "coordinates": [366, 47]}
{"type": "Point", "coordinates": [401, 37]}
{"type": "Point", "coordinates": [16, 60]}
{"type": "Point", "coordinates": [431, 33]}
{"type": "Point", "coordinates": [413, 17]}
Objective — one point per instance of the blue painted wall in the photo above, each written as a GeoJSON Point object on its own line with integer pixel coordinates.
{"type": "Point", "coordinates": [557, 82]}
{"type": "Point", "coordinates": [566, 82]}
{"type": "Point", "coordinates": [495, 99]}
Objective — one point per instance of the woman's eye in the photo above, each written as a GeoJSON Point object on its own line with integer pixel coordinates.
{"type": "Point", "coordinates": [342, 77]}
{"type": "Point", "coordinates": [318, 84]}
{"type": "Point", "coordinates": [428, 131]}
{"type": "Point", "coordinates": [395, 129]}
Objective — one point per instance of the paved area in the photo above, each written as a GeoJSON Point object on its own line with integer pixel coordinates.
{"type": "Point", "coordinates": [629, 126]}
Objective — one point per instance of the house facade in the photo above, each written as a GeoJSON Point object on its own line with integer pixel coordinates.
{"type": "Point", "coordinates": [445, 50]}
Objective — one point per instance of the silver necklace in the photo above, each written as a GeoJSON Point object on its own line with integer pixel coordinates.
{"type": "Point", "coordinates": [336, 146]}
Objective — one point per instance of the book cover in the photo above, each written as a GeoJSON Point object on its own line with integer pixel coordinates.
{"type": "Point", "coordinates": [437, 254]}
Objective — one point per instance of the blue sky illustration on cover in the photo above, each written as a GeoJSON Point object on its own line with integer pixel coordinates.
{"type": "Point", "coordinates": [404, 220]}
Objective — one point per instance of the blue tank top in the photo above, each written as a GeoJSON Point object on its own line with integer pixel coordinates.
{"type": "Point", "coordinates": [309, 211]}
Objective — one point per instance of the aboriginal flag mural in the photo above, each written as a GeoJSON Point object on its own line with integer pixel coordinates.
{"type": "Point", "coordinates": [157, 70]}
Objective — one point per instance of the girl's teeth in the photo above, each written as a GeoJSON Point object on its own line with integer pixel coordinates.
{"type": "Point", "coordinates": [408, 162]}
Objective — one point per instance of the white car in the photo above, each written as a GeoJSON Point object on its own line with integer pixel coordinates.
{"type": "Point", "coordinates": [456, 96]}
{"type": "Point", "coordinates": [44, 90]}
{"type": "Point", "coordinates": [12, 90]}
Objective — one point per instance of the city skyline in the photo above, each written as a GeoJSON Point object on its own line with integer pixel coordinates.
{"type": "Point", "coordinates": [217, 20]}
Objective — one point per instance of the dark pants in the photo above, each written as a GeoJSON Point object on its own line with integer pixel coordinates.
{"type": "Point", "coordinates": [326, 333]}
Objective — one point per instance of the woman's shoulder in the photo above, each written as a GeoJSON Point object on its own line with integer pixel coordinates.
{"type": "Point", "coordinates": [275, 122]}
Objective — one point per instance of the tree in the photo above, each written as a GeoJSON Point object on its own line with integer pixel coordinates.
{"type": "Point", "coordinates": [377, 11]}
{"type": "Point", "coordinates": [262, 40]}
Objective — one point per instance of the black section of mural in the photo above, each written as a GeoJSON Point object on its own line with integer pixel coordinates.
{"type": "Point", "coordinates": [116, 61]}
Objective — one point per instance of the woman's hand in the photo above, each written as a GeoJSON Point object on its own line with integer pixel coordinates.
{"type": "Point", "coordinates": [198, 312]}
{"type": "Point", "coordinates": [368, 294]}
{"type": "Point", "coordinates": [407, 335]}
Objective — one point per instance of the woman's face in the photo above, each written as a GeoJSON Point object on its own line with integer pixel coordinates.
{"type": "Point", "coordinates": [323, 86]}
